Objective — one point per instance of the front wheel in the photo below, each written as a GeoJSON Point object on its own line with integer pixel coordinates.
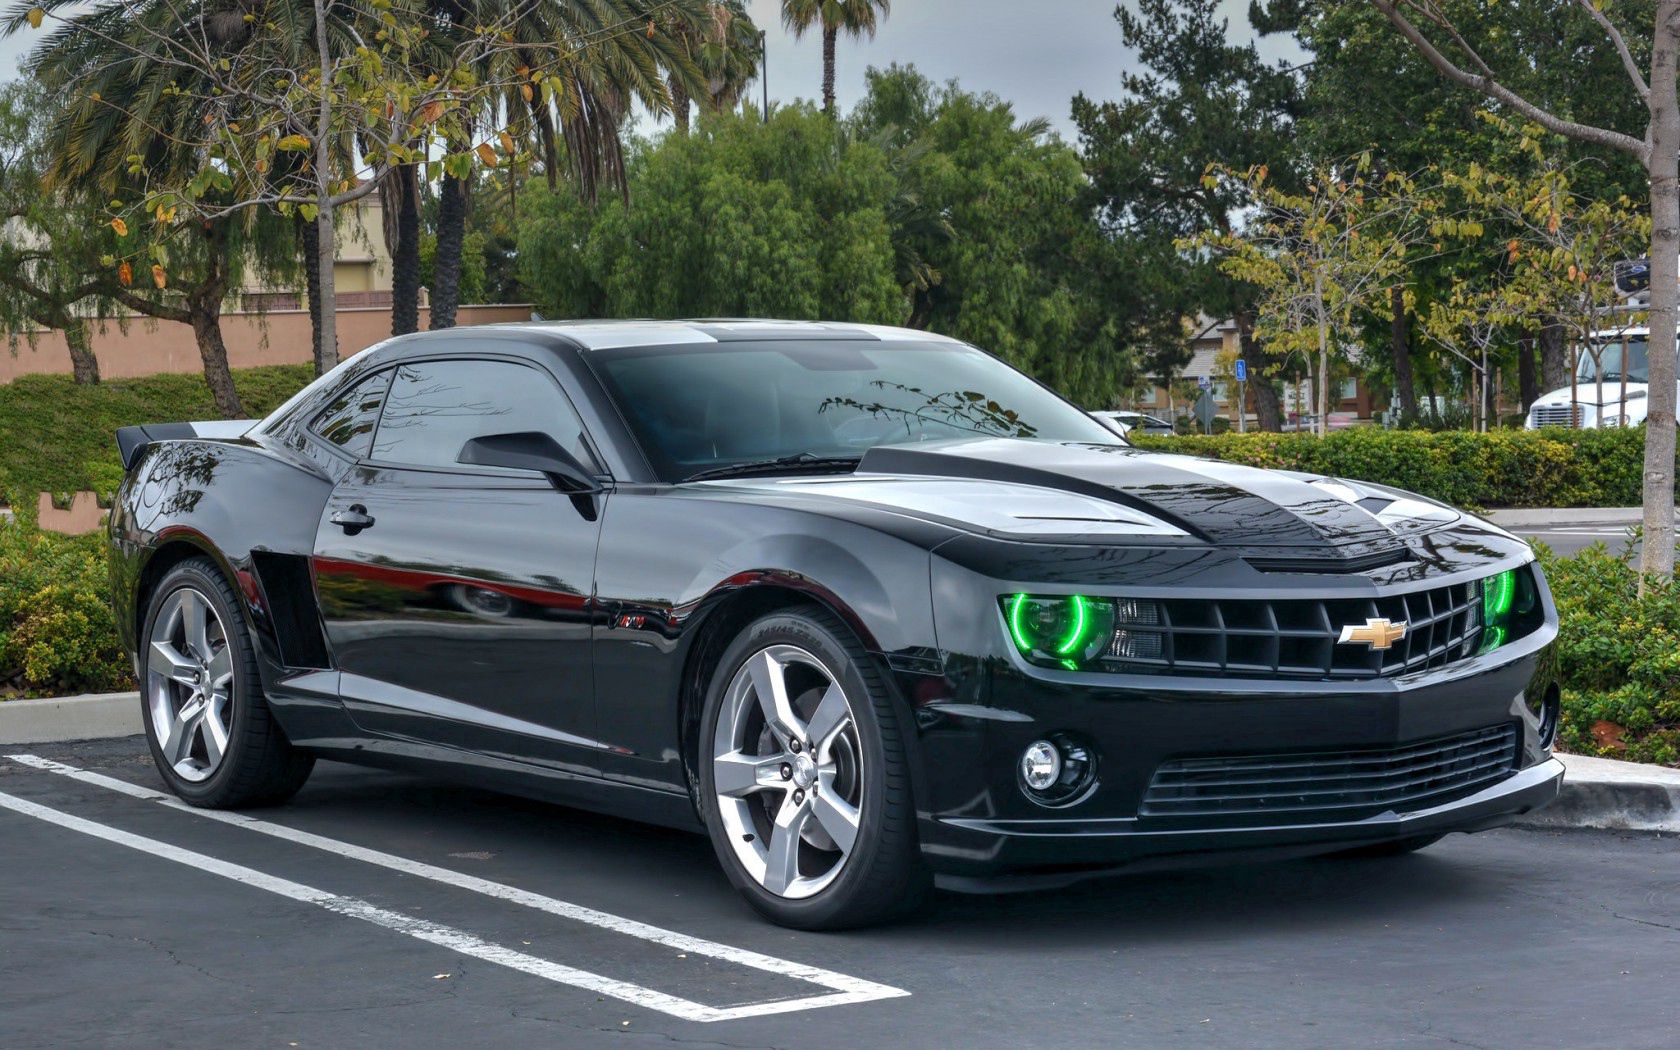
{"type": "Point", "coordinates": [804, 781]}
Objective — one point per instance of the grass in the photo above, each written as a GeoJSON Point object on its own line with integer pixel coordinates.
{"type": "Point", "coordinates": [58, 437]}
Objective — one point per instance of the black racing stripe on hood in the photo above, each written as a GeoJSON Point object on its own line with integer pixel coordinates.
{"type": "Point", "coordinates": [1222, 503]}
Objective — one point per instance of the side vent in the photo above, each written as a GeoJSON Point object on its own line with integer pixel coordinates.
{"type": "Point", "coordinates": [290, 591]}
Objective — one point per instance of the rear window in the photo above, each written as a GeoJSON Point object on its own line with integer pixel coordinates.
{"type": "Point", "coordinates": [349, 419]}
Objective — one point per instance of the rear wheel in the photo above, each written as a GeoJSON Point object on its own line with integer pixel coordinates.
{"type": "Point", "coordinates": [804, 781]}
{"type": "Point", "coordinates": [207, 722]}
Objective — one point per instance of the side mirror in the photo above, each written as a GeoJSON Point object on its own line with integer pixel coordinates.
{"type": "Point", "coordinates": [531, 450]}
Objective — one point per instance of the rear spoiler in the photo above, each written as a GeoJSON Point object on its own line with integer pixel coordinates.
{"type": "Point", "coordinates": [132, 441]}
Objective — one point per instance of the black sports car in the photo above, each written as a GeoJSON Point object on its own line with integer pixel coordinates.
{"type": "Point", "coordinates": [866, 604]}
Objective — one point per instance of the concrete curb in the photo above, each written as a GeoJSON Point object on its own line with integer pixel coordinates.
{"type": "Point", "coordinates": [1605, 793]}
{"type": "Point", "coordinates": [69, 718]}
{"type": "Point", "coordinates": [1532, 517]}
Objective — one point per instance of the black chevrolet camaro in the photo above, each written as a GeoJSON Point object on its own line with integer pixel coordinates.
{"type": "Point", "coordinates": [865, 604]}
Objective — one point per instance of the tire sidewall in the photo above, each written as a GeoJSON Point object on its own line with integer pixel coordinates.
{"type": "Point", "coordinates": [199, 577]}
{"type": "Point", "coordinates": [816, 639]}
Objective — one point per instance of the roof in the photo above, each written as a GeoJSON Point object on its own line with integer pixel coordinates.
{"type": "Point", "coordinates": [605, 335]}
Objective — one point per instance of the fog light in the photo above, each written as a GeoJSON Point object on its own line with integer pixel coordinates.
{"type": "Point", "coordinates": [1041, 765]}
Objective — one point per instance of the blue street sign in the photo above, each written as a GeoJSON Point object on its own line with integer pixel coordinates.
{"type": "Point", "coordinates": [1242, 370]}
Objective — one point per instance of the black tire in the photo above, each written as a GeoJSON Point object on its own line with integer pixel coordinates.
{"type": "Point", "coordinates": [1394, 848]}
{"type": "Point", "coordinates": [884, 876]}
{"type": "Point", "coordinates": [260, 766]}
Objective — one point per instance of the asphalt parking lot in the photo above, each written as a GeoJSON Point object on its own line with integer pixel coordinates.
{"type": "Point", "coordinates": [1571, 539]}
{"type": "Point", "coordinates": [386, 910]}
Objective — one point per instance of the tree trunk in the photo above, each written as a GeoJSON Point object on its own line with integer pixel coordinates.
{"type": "Point", "coordinates": [1323, 359]}
{"type": "Point", "coordinates": [405, 254]}
{"type": "Point", "coordinates": [1656, 557]}
{"type": "Point", "coordinates": [204, 314]}
{"type": "Point", "coordinates": [310, 245]}
{"type": "Point", "coordinates": [1400, 344]}
{"type": "Point", "coordinates": [326, 249]}
{"type": "Point", "coordinates": [1528, 380]}
{"type": "Point", "coordinates": [446, 264]}
{"type": "Point", "coordinates": [830, 34]}
{"type": "Point", "coordinates": [84, 366]}
{"type": "Point", "coordinates": [326, 246]}
{"type": "Point", "coordinates": [1554, 362]}
{"type": "Point", "coordinates": [1268, 407]}
{"type": "Point", "coordinates": [679, 103]}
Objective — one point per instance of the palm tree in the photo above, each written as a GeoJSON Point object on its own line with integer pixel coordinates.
{"type": "Point", "coordinates": [725, 48]}
{"type": "Point", "coordinates": [599, 57]}
{"type": "Point", "coordinates": [857, 18]}
{"type": "Point", "coordinates": [94, 146]}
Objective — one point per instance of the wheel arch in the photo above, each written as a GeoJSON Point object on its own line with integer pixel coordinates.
{"type": "Point", "coordinates": [723, 615]}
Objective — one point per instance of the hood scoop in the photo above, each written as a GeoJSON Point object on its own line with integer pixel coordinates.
{"type": "Point", "coordinates": [1278, 518]}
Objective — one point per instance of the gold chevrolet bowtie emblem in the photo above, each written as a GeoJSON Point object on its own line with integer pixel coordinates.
{"type": "Point", "coordinates": [1378, 633]}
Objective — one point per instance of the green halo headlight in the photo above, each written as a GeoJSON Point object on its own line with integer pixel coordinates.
{"type": "Point", "coordinates": [1504, 599]}
{"type": "Point", "coordinates": [1070, 629]}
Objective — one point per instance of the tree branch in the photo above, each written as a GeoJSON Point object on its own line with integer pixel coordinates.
{"type": "Point", "coordinates": [1620, 41]}
{"type": "Point", "coordinates": [1492, 88]}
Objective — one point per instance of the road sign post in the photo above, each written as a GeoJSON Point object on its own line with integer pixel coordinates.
{"type": "Point", "coordinates": [1242, 396]}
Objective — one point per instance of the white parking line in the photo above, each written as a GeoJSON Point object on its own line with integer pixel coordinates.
{"type": "Point", "coordinates": [843, 988]}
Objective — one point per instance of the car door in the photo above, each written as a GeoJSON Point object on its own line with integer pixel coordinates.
{"type": "Point", "coordinates": [457, 599]}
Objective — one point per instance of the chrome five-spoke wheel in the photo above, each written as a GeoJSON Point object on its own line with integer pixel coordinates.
{"type": "Point", "coordinates": [189, 684]}
{"type": "Point", "coordinates": [788, 771]}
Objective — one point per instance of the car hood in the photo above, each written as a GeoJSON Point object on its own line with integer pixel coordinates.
{"type": "Point", "coordinates": [1043, 490]}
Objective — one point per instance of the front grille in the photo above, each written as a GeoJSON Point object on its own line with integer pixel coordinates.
{"type": "Point", "coordinates": [1555, 416]}
{"type": "Point", "coordinates": [1339, 782]}
{"type": "Point", "coordinates": [1294, 638]}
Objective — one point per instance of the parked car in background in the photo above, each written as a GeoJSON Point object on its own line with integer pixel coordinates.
{"type": "Point", "coordinates": [1309, 423]}
{"type": "Point", "coordinates": [1123, 423]}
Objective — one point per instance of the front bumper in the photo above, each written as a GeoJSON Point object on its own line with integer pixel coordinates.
{"type": "Point", "coordinates": [1044, 853]}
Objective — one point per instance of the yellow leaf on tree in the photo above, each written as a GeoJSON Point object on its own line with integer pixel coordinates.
{"type": "Point", "coordinates": [36, 16]}
{"type": "Point", "coordinates": [120, 226]}
{"type": "Point", "coordinates": [292, 142]}
{"type": "Point", "coordinates": [507, 141]}
{"type": "Point", "coordinates": [125, 273]}
{"type": "Point", "coordinates": [486, 154]}
{"type": "Point", "coordinates": [159, 278]}
{"type": "Point", "coordinates": [525, 90]}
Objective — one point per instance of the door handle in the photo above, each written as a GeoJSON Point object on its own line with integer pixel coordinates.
{"type": "Point", "coordinates": [353, 520]}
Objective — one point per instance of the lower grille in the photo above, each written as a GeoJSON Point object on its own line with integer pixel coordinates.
{"type": "Point", "coordinates": [1554, 416]}
{"type": "Point", "coordinates": [1332, 782]}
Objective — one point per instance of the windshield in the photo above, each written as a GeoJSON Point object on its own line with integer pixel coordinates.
{"type": "Point", "coordinates": [1609, 368]}
{"type": "Point", "coordinates": [696, 408]}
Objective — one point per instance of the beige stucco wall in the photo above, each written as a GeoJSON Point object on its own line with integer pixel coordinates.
{"type": "Point", "coordinates": [279, 337]}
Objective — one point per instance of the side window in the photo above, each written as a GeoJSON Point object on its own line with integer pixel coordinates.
{"type": "Point", "coordinates": [436, 407]}
{"type": "Point", "coordinates": [348, 420]}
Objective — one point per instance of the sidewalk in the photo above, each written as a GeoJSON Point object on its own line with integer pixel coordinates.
{"type": "Point", "coordinates": [1534, 517]}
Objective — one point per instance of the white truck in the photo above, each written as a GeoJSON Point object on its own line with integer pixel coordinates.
{"type": "Point", "coordinates": [1610, 389]}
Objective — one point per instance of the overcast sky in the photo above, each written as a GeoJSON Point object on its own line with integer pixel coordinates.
{"type": "Point", "coordinates": [1036, 54]}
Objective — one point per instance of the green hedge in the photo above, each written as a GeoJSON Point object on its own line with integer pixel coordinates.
{"type": "Point", "coordinates": [1619, 653]}
{"type": "Point", "coordinates": [56, 436]}
{"type": "Point", "coordinates": [1504, 468]}
{"type": "Point", "coordinates": [56, 632]}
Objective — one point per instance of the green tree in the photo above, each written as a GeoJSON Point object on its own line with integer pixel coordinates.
{"type": "Point", "coordinates": [1432, 31]}
{"type": "Point", "coordinates": [1321, 258]}
{"type": "Point", "coordinates": [1195, 100]}
{"type": "Point", "coordinates": [855, 18]}
{"type": "Point", "coordinates": [52, 242]}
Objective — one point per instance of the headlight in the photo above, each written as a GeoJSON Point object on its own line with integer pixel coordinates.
{"type": "Point", "coordinates": [1510, 606]}
{"type": "Point", "coordinates": [1070, 630]}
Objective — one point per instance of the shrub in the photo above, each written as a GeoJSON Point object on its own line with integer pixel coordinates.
{"type": "Point", "coordinates": [1503, 468]}
{"type": "Point", "coordinates": [57, 634]}
{"type": "Point", "coordinates": [1619, 653]}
